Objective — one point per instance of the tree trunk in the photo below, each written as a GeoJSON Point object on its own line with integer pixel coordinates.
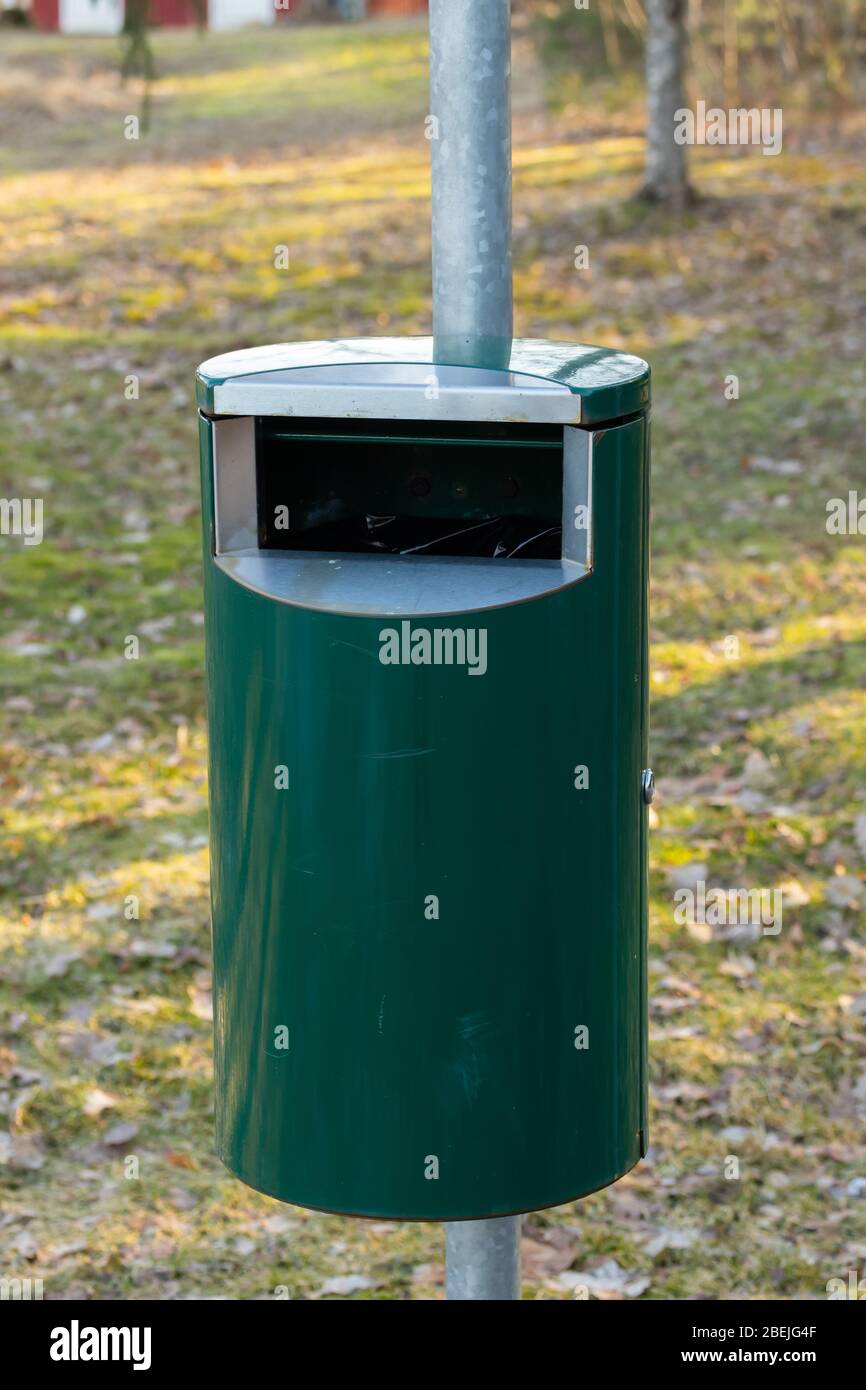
{"type": "Point", "coordinates": [666, 175]}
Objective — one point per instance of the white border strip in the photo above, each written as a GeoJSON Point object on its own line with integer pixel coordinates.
{"type": "Point", "coordinates": [554, 406]}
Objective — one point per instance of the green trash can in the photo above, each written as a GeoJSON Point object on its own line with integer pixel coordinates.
{"type": "Point", "coordinates": [426, 622]}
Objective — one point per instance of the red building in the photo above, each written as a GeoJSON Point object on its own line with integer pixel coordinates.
{"type": "Point", "coordinates": [396, 6]}
{"type": "Point", "coordinates": [106, 16]}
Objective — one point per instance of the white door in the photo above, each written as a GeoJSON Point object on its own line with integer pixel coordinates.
{"type": "Point", "coordinates": [234, 14]}
{"type": "Point", "coordinates": [91, 16]}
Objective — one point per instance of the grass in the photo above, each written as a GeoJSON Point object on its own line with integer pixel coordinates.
{"type": "Point", "coordinates": [129, 259]}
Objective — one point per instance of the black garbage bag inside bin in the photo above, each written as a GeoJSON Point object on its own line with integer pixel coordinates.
{"type": "Point", "coordinates": [499, 537]}
{"type": "Point", "coordinates": [358, 487]}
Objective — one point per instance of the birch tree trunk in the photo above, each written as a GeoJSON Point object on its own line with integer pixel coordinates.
{"type": "Point", "coordinates": [666, 175]}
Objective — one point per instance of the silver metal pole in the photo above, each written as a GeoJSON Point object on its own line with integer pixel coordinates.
{"type": "Point", "coordinates": [470, 143]}
{"type": "Point", "coordinates": [482, 1259]}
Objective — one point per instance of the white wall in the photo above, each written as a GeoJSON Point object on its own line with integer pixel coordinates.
{"type": "Point", "coordinates": [91, 16]}
{"type": "Point", "coordinates": [234, 14]}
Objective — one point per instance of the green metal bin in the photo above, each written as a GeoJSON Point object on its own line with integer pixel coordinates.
{"type": "Point", "coordinates": [426, 621]}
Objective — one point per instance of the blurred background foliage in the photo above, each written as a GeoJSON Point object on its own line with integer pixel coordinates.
{"type": "Point", "coordinates": [741, 51]}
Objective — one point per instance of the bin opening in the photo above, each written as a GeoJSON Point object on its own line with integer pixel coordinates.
{"type": "Point", "coordinates": [397, 488]}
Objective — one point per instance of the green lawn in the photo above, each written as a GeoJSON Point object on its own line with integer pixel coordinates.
{"type": "Point", "coordinates": [123, 258]}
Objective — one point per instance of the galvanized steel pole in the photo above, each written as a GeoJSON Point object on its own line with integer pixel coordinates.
{"type": "Point", "coordinates": [482, 1259]}
{"type": "Point", "coordinates": [470, 144]}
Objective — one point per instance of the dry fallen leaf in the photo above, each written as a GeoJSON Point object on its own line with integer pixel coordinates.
{"type": "Point", "coordinates": [606, 1281]}
{"type": "Point", "coordinates": [687, 875]}
{"type": "Point", "coordinates": [794, 894]}
{"type": "Point", "coordinates": [781, 468]}
{"type": "Point", "coordinates": [345, 1284]}
{"type": "Point", "coordinates": [60, 963]}
{"type": "Point", "coordinates": [21, 1151]}
{"type": "Point", "coordinates": [428, 1274]}
{"type": "Point", "coordinates": [27, 1245]}
{"type": "Point", "coordinates": [119, 1134]}
{"type": "Point", "coordinates": [96, 1101]}
{"type": "Point", "coordinates": [179, 1160]}
{"type": "Point", "coordinates": [844, 890]}
{"type": "Point", "coordinates": [201, 1003]}
{"type": "Point", "coordinates": [739, 967]}
{"type": "Point", "coordinates": [543, 1254]}
{"type": "Point", "coordinates": [671, 1238]}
